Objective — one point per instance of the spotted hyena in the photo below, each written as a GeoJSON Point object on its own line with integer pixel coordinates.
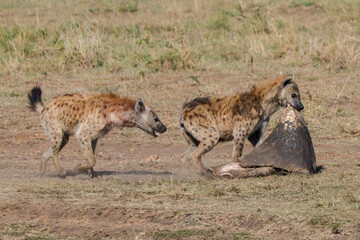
{"type": "Point", "coordinates": [206, 121]}
{"type": "Point", "coordinates": [88, 117]}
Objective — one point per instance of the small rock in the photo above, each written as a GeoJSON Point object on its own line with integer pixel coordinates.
{"type": "Point", "coordinates": [152, 158]}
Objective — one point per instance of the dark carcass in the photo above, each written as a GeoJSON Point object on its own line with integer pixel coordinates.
{"type": "Point", "coordinates": [288, 147]}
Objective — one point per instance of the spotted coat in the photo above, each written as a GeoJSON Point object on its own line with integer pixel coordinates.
{"type": "Point", "coordinates": [206, 121]}
{"type": "Point", "coordinates": [88, 117]}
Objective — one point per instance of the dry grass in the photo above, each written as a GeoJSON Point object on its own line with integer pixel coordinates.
{"type": "Point", "coordinates": [292, 207]}
{"type": "Point", "coordinates": [140, 37]}
{"type": "Point", "coordinates": [165, 51]}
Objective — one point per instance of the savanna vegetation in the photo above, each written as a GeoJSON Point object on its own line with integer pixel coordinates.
{"type": "Point", "coordinates": [165, 52]}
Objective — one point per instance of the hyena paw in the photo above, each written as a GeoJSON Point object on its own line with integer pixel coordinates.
{"type": "Point", "coordinates": [184, 159]}
{"type": "Point", "coordinates": [207, 173]}
{"type": "Point", "coordinates": [241, 163]}
{"type": "Point", "coordinates": [91, 172]}
{"type": "Point", "coordinates": [61, 172]}
{"type": "Point", "coordinates": [209, 170]}
{"type": "Point", "coordinates": [78, 169]}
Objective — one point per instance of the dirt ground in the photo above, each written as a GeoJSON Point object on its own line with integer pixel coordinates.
{"type": "Point", "coordinates": [141, 191]}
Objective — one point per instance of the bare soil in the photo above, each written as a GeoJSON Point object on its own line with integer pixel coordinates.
{"type": "Point", "coordinates": [141, 191]}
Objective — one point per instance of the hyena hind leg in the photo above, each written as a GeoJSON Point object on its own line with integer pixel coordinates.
{"type": "Point", "coordinates": [196, 155]}
{"type": "Point", "coordinates": [93, 144]}
{"type": "Point", "coordinates": [185, 157]}
{"type": "Point", "coordinates": [58, 141]}
{"type": "Point", "coordinates": [203, 147]}
{"type": "Point", "coordinates": [206, 139]}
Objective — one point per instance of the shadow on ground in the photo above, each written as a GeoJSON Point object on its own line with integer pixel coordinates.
{"type": "Point", "coordinates": [70, 173]}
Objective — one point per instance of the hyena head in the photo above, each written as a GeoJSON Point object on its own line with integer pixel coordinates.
{"type": "Point", "coordinates": [290, 95]}
{"type": "Point", "coordinates": [148, 121]}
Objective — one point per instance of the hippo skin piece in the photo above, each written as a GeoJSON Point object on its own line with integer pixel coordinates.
{"type": "Point", "coordinates": [288, 147]}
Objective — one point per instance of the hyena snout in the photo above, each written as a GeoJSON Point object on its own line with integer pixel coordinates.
{"type": "Point", "coordinates": [159, 127]}
{"type": "Point", "coordinates": [149, 121]}
{"type": "Point", "coordinates": [295, 102]}
{"type": "Point", "coordinates": [154, 125]}
{"type": "Point", "coordinates": [291, 95]}
{"type": "Point", "coordinates": [300, 107]}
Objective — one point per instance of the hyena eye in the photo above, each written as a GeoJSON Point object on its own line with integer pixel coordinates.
{"type": "Point", "coordinates": [156, 119]}
{"type": "Point", "coordinates": [293, 95]}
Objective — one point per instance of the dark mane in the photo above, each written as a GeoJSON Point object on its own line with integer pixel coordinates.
{"type": "Point", "coordinates": [246, 102]}
{"type": "Point", "coordinates": [197, 101]}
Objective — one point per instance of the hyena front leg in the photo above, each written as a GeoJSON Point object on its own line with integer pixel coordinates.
{"type": "Point", "coordinates": [239, 134]}
{"type": "Point", "coordinates": [88, 146]}
{"type": "Point", "coordinates": [241, 130]}
{"type": "Point", "coordinates": [238, 148]}
{"type": "Point", "coordinates": [58, 141]}
{"type": "Point", "coordinates": [256, 138]}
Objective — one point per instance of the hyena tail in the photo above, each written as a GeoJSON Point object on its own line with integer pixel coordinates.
{"type": "Point", "coordinates": [181, 113]}
{"type": "Point", "coordinates": [182, 126]}
{"type": "Point", "coordinates": [35, 103]}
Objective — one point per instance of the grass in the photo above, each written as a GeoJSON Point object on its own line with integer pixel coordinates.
{"type": "Point", "coordinates": [21, 229]}
{"type": "Point", "coordinates": [181, 234]}
{"type": "Point", "coordinates": [215, 208]}
{"type": "Point", "coordinates": [233, 36]}
{"type": "Point", "coordinates": [165, 52]}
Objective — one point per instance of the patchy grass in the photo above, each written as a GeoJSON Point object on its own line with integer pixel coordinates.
{"type": "Point", "coordinates": [181, 35]}
{"type": "Point", "coordinates": [203, 209]}
{"type": "Point", "coordinates": [181, 234]}
{"type": "Point", "coordinates": [25, 229]}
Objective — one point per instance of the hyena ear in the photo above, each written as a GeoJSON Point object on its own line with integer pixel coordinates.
{"type": "Point", "coordinates": [140, 106]}
{"type": "Point", "coordinates": [287, 80]}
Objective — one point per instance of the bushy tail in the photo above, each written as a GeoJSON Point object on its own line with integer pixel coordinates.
{"type": "Point", "coordinates": [183, 129]}
{"type": "Point", "coordinates": [35, 103]}
{"type": "Point", "coordinates": [181, 113]}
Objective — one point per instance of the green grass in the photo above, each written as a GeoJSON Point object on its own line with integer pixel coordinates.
{"type": "Point", "coordinates": [180, 35]}
{"type": "Point", "coordinates": [25, 230]}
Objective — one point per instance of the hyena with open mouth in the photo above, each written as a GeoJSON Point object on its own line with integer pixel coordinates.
{"type": "Point", "coordinates": [206, 121]}
{"type": "Point", "coordinates": [88, 117]}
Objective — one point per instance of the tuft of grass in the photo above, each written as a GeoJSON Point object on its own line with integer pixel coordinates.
{"type": "Point", "coordinates": [26, 229]}
{"type": "Point", "coordinates": [335, 227]}
{"type": "Point", "coordinates": [181, 234]}
{"type": "Point", "coordinates": [298, 3]}
{"type": "Point", "coordinates": [128, 6]}
{"type": "Point", "coordinates": [242, 236]}
{"type": "Point", "coordinates": [219, 22]}
{"type": "Point", "coordinates": [317, 221]}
